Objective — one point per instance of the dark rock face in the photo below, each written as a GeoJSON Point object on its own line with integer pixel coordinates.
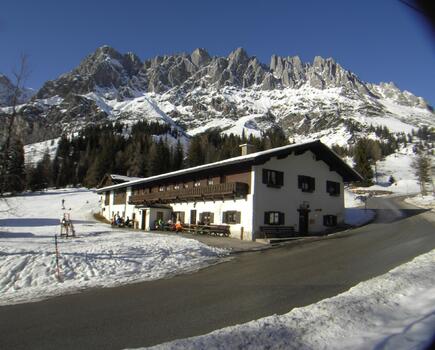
{"type": "Point", "coordinates": [108, 74]}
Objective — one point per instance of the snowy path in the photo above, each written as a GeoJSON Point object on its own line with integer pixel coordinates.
{"type": "Point", "coordinates": [98, 257]}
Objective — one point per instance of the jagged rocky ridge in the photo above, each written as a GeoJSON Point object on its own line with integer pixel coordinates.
{"type": "Point", "coordinates": [197, 91]}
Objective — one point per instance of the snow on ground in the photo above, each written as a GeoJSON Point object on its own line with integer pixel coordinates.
{"type": "Point", "coordinates": [427, 202]}
{"type": "Point", "coordinates": [34, 152]}
{"type": "Point", "coordinates": [392, 311]}
{"type": "Point", "coordinates": [98, 257]}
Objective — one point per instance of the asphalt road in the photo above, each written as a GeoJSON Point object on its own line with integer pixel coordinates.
{"type": "Point", "coordinates": [250, 286]}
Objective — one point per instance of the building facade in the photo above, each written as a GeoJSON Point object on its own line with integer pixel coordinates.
{"type": "Point", "coordinates": [295, 187]}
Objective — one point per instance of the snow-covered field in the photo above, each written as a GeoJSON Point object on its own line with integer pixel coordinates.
{"type": "Point", "coordinates": [392, 311]}
{"type": "Point", "coordinates": [98, 257]}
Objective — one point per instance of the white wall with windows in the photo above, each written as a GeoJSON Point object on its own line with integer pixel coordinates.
{"type": "Point", "coordinates": [285, 192]}
{"type": "Point", "coordinates": [220, 210]}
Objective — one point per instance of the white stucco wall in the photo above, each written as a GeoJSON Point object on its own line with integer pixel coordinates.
{"type": "Point", "coordinates": [289, 197]}
{"type": "Point", "coordinates": [244, 206]}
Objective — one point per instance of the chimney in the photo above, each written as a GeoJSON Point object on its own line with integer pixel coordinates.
{"type": "Point", "coordinates": [247, 148]}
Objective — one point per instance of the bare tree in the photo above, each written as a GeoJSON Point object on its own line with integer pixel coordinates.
{"type": "Point", "coordinates": [20, 76]}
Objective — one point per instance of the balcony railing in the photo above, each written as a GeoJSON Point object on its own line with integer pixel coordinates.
{"type": "Point", "coordinates": [210, 192]}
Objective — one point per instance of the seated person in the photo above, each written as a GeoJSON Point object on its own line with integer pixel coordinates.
{"type": "Point", "coordinates": [127, 222]}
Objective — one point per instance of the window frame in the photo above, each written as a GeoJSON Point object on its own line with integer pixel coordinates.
{"type": "Point", "coordinates": [306, 183]}
{"type": "Point", "coordinates": [231, 217]}
{"type": "Point", "coordinates": [335, 186]}
{"type": "Point", "coordinates": [278, 218]}
{"type": "Point", "coordinates": [330, 220]}
{"type": "Point", "coordinates": [273, 178]}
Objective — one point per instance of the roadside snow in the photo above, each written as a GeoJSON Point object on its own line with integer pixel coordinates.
{"type": "Point", "coordinates": [392, 311]}
{"type": "Point", "coordinates": [427, 202]}
{"type": "Point", "coordinates": [98, 257]}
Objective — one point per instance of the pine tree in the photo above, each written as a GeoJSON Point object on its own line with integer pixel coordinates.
{"type": "Point", "coordinates": [362, 163]}
{"type": "Point", "coordinates": [178, 157]}
{"type": "Point", "coordinates": [422, 168]}
{"type": "Point", "coordinates": [14, 175]}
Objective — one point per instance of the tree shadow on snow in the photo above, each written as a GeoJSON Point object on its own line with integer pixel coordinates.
{"type": "Point", "coordinates": [36, 222]}
{"type": "Point", "coordinates": [392, 215]}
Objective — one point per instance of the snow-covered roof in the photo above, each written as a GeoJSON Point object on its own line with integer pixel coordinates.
{"type": "Point", "coordinates": [322, 152]}
{"type": "Point", "coordinates": [124, 178]}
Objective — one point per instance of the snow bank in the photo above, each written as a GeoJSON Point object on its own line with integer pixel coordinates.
{"type": "Point", "coordinates": [98, 257]}
{"type": "Point", "coordinates": [427, 202]}
{"type": "Point", "coordinates": [392, 311]}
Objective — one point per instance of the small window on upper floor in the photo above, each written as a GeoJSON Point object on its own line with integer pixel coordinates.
{"type": "Point", "coordinates": [333, 188]}
{"type": "Point", "coordinates": [161, 188]}
{"type": "Point", "coordinates": [273, 178]}
{"type": "Point", "coordinates": [210, 181]}
{"type": "Point", "coordinates": [186, 185]}
{"type": "Point", "coordinates": [306, 183]}
{"type": "Point", "coordinates": [197, 183]}
{"type": "Point", "coordinates": [176, 187]}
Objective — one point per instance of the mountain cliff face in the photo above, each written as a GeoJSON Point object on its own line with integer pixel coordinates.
{"type": "Point", "coordinates": [235, 93]}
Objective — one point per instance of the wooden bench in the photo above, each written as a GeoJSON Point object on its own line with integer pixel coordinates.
{"type": "Point", "coordinates": [215, 230]}
{"type": "Point", "coordinates": [277, 231]}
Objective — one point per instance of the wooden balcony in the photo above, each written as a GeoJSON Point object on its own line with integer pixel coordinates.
{"type": "Point", "coordinates": [230, 190]}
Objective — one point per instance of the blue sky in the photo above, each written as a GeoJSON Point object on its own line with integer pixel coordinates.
{"type": "Point", "coordinates": [379, 40]}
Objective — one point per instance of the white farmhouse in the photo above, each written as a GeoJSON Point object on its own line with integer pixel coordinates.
{"type": "Point", "coordinates": [290, 190]}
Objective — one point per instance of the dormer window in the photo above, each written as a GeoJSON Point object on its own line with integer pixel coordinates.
{"type": "Point", "coordinates": [333, 188]}
{"type": "Point", "coordinates": [306, 183]}
{"type": "Point", "coordinates": [273, 178]}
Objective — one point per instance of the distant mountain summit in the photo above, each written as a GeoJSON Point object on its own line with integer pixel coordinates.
{"type": "Point", "coordinates": [236, 93]}
{"type": "Point", "coordinates": [7, 91]}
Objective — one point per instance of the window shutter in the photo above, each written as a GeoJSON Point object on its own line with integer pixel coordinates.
{"type": "Point", "coordinates": [224, 217]}
{"type": "Point", "coordinates": [280, 178]}
{"type": "Point", "coordinates": [312, 183]}
{"type": "Point", "coordinates": [266, 218]}
{"type": "Point", "coordinates": [300, 181]}
{"type": "Point", "coordinates": [238, 217]}
{"type": "Point", "coordinates": [264, 176]}
{"type": "Point", "coordinates": [211, 218]}
{"type": "Point", "coordinates": [281, 218]}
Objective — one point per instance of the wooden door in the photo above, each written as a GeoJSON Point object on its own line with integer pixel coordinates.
{"type": "Point", "coordinates": [193, 217]}
{"type": "Point", "coordinates": [303, 221]}
{"type": "Point", "coordinates": [144, 217]}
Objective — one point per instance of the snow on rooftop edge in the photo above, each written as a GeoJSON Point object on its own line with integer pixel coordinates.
{"type": "Point", "coordinates": [210, 165]}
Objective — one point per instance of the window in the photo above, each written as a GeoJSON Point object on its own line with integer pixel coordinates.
{"type": "Point", "coordinates": [176, 187]}
{"type": "Point", "coordinates": [273, 178]}
{"type": "Point", "coordinates": [178, 216]}
{"type": "Point", "coordinates": [186, 185]}
{"type": "Point", "coordinates": [306, 183]}
{"type": "Point", "coordinates": [231, 217]}
{"type": "Point", "coordinates": [210, 181]}
{"type": "Point", "coordinates": [330, 220]}
{"type": "Point", "coordinates": [107, 198]}
{"type": "Point", "coordinates": [273, 218]}
{"type": "Point", "coordinates": [206, 218]}
{"type": "Point", "coordinates": [161, 188]}
{"type": "Point", "coordinates": [197, 183]}
{"type": "Point", "coordinates": [333, 188]}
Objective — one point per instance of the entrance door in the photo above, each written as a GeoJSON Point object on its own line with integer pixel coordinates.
{"type": "Point", "coordinates": [193, 217]}
{"type": "Point", "coordinates": [303, 221]}
{"type": "Point", "coordinates": [144, 217]}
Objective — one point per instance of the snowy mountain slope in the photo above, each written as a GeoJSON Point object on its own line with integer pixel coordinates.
{"type": "Point", "coordinates": [235, 93]}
